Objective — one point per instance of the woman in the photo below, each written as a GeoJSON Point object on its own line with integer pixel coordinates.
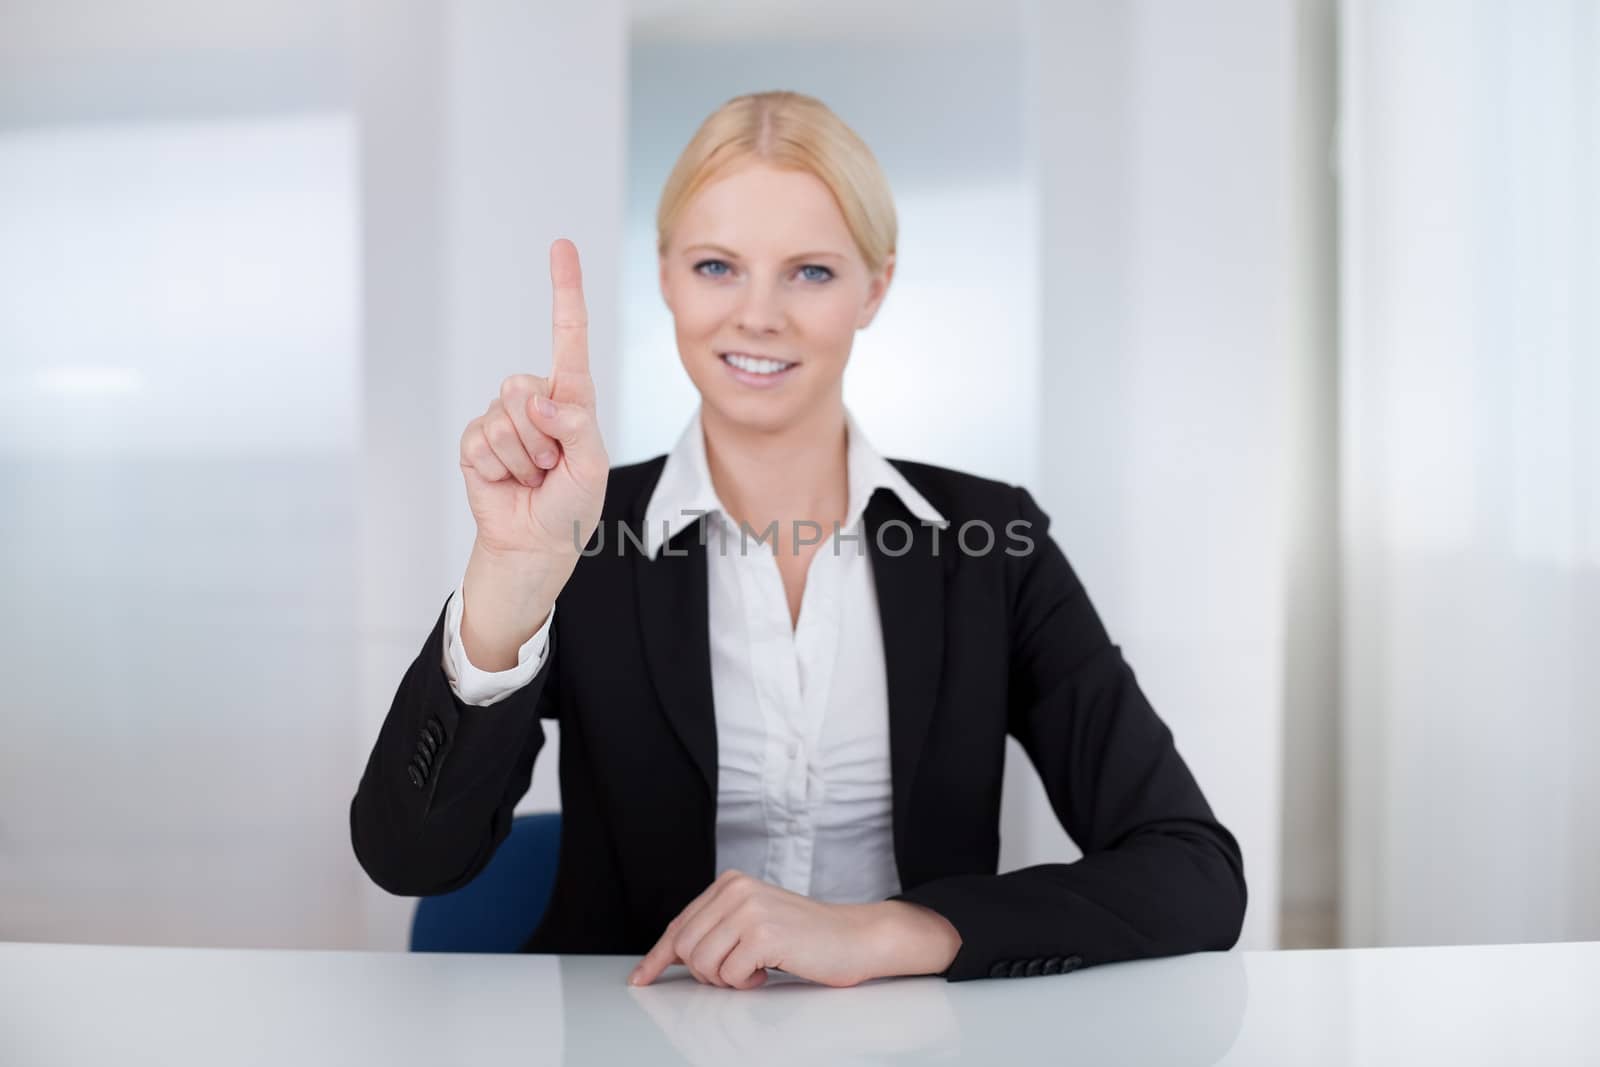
{"type": "Point", "coordinates": [784, 667]}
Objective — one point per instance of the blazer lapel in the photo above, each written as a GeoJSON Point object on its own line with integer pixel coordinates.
{"type": "Point", "coordinates": [676, 635]}
{"type": "Point", "coordinates": [911, 595]}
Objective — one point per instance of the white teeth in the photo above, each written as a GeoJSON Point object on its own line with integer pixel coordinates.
{"type": "Point", "coordinates": [754, 365]}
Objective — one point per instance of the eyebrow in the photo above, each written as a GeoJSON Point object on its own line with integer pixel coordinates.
{"type": "Point", "coordinates": [731, 254]}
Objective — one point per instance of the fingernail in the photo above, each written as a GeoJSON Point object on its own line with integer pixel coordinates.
{"type": "Point", "coordinates": [545, 405]}
{"type": "Point", "coordinates": [545, 459]}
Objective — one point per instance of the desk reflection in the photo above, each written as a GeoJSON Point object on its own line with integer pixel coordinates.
{"type": "Point", "coordinates": [1183, 1010]}
{"type": "Point", "coordinates": [1468, 1004]}
{"type": "Point", "coordinates": [278, 1008]}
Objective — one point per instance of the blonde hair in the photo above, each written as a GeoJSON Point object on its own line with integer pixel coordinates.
{"type": "Point", "coordinates": [795, 132]}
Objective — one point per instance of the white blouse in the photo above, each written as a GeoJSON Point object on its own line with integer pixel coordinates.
{"type": "Point", "coordinates": [802, 710]}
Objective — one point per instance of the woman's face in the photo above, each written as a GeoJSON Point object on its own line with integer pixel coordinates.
{"type": "Point", "coordinates": [767, 290]}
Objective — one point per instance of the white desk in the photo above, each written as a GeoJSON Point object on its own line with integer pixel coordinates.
{"type": "Point", "coordinates": [84, 1004]}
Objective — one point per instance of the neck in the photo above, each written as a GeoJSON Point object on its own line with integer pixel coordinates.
{"type": "Point", "coordinates": [797, 472]}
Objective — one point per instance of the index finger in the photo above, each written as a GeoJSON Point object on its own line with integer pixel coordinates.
{"type": "Point", "coordinates": [660, 957]}
{"type": "Point", "coordinates": [662, 954]}
{"type": "Point", "coordinates": [569, 325]}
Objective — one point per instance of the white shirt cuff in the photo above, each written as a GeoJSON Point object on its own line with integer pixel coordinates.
{"type": "Point", "coordinates": [482, 688]}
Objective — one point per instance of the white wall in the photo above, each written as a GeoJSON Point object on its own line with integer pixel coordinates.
{"type": "Point", "coordinates": [259, 270]}
{"type": "Point", "coordinates": [177, 505]}
{"type": "Point", "coordinates": [1175, 334]}
{"type": "Point", "coordinates": [1470, 383]}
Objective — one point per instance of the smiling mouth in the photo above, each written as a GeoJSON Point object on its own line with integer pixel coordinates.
{"type": "Point", "coordinates": [759, 365]}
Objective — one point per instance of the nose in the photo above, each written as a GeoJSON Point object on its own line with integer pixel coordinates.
{"type": "Point", "coordinates": [761, 310]}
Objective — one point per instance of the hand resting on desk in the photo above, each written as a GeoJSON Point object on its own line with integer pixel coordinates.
{"type": "Point", "coordinates": [740, 925]}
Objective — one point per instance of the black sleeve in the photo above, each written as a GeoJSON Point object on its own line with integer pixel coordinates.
{"type": "Point", "coordinates": [427, 817]}
{"type": "Point", "coordinates": [1159, 875]}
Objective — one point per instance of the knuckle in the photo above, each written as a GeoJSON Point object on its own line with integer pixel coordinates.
{"type": "Point", "coordinates": [514, 386]}
{"type": "Point", "coordinates": [499, 430]}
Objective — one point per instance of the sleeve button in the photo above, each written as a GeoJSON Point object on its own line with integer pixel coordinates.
{"type": "Point", "coordinates": [424, 757]}
{"type": "Point", "coordinates": [1052, 965]}
{"type": "Point", "coordinates": [1071, 963]}
{"type": "Point", "coordinates": [417, 777]}
{"type": "Point", "coordinates": [1018, 968]}
{"type": "Point", "coordinates": [1034, 966]}
{"type": "Point", "coordinates": [999, 969]}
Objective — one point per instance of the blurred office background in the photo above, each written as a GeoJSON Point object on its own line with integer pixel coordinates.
{"type": "Point", "coordinates": [1286, 310]}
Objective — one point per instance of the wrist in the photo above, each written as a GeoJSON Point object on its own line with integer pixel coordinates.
{"type": "Point", "coordinates": [912, 939]}
{"type": "Point", "coordinates": [504, 603]}
{"type": "Point", "coordinates": [518, 567]}
{"type": "Point", "coordinates": [513, 578]}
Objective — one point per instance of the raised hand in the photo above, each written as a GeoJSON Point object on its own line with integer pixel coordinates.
{"type": "Point", "coordinates": [535, 470]}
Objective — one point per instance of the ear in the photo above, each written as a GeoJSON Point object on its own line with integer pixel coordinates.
{"type": "Point", "coordinates": [661, 277]}
{"type": "Point", "coordinates": [876, 291]}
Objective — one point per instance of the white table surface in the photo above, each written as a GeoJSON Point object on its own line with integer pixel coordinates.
{"type": "Point", "coordinates": [90, 1004]}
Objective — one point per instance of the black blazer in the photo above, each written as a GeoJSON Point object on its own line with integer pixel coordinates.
{"type": "Point", "coordinates": [976, 646]}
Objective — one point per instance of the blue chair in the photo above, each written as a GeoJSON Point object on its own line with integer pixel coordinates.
{"type": "Point", "coordinates": [501, 907]}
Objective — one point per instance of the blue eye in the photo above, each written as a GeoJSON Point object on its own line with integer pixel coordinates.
{"type": "Point", "coordinates": [823, 273]}
{"type": "Point", "coordinates": [699, 268]}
